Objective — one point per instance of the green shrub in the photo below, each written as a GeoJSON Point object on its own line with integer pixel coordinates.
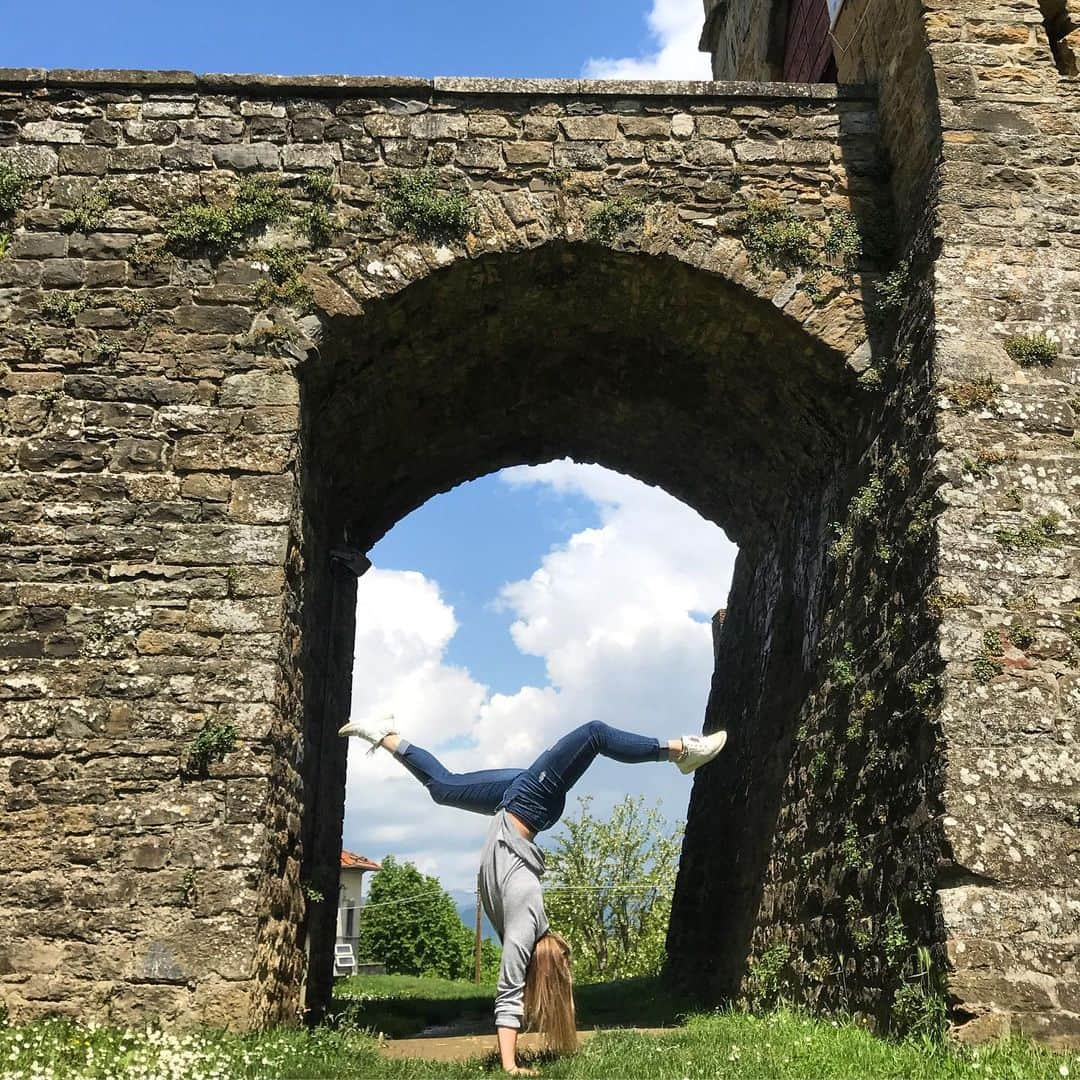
{"type": "Point", "coordinates": [13, 185]}
{"type": "Point", "coordinates": [843, 241]}
{"type": "Point", "coordinates": [985, 669]}
{"type": "Point", "coordinates": [416, 205]}
{"type": "Point", "coordinates": [5, 243]}
{"type": "Point", "coordinates": [1033, 350]}
{"type": "Point", "coordinates": [205, 229]}
{"type": "Point", "coordinates": [842, 668]}
{"type": "Point", "coordinates": [319, 185]}
{"type": "Point", "coordinates": [1021, 635]}
{"type": "Point", "coordinates": [842, 546]}
{"type": "Point", "coordinates": [320, 225]}
{"type": "Point", "coordinates": [866, 501]}
{"type": "Point", "coordinates": [765, 982]}
{"type": "Point", "coordinates": [1032, 537]}
{"type": "Point", "coordinates": [603, 223]}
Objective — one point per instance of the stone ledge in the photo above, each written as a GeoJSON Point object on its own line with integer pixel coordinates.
{"type": "Point", "coordinates": [651, 88]}
{"type": "Point", "coordinates": [348, 85]}
{"type": "Point", "coordinates": [22, 77]}
{"type": "Point", "coordinates": [332, 85]}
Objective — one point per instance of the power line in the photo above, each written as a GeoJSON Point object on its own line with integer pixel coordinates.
{"type": "Point", "coordinates": [416, 897]}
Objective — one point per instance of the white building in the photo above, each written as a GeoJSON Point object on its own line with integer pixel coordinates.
{"type": "Point", "coordinates": [353, 868]}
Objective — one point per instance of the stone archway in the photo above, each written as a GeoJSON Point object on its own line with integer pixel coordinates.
{"type": "Point", "coordinates": [194, 468]}
{"type": "Point", "coordinates": [644, 363]}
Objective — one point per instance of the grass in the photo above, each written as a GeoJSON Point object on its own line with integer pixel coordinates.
{"type": "Point", "coordinates": [784, 1044]}
{"type": "Point", "coordinates": [400, 1005]}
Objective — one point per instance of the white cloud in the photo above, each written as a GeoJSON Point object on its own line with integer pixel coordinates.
{"type": "Point", "coordinates": [620, 616]}
{"type": "Point", "coordinates": [675, 27]}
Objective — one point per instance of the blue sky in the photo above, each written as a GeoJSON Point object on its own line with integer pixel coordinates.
{"type": "Point", "coordinates": [410, 37]}
{"type": "Point", "coordinates": [472, 541]}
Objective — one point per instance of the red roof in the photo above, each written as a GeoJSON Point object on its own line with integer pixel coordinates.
{"type": "Point", "coordinates": [349, 861]}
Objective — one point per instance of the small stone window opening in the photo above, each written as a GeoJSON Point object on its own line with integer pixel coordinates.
{"type": "Point", "coordinates": [1062, 21]}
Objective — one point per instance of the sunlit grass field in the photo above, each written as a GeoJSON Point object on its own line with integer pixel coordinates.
{"type": "Point", "coordinates": [733, 1045]}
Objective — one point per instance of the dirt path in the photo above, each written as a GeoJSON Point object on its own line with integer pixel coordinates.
{"type": "Point", "coordinates": [462, 1047]}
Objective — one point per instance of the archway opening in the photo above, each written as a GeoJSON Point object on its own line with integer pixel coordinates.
{"type": "Point", "coordinates": [495, 619]}
{"type": "Point", "coordinates": [661, 371]}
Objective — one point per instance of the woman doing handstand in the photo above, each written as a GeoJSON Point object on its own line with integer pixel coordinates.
{"type": "Point", "coordinates": [534, 975]}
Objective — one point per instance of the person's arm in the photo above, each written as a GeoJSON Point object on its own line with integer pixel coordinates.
{"type": "Point", "coordinates": [519, 940]}
{"type": "Point", "coordinates": [508, 1052]}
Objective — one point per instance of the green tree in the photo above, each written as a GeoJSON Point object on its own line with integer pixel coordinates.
{"type": "Point", "coordinates": [609, 888]}
{"type": "Point", "coordinates": [410, 923]}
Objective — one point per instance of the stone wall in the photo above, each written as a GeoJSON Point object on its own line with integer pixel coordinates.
{"type": "Point", "coordinates": [981, 131]}
{"type": "Point", "coordinates": [216, 395]}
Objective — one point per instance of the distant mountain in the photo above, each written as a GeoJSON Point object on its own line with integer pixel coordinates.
{"type": "Point", "coordinates": [465, 902]}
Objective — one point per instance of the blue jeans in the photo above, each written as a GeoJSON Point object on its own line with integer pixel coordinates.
{"type": "Point", "coordinates": [537, 794]}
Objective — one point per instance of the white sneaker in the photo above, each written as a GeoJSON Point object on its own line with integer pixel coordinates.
{"type": "Point", "coordinates": [374, 735]}
{"type": "Point", "coordinates": [699, 750]}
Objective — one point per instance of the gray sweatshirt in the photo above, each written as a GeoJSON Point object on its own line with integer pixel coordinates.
{"type": "Point", "coordinates": [511, 867]}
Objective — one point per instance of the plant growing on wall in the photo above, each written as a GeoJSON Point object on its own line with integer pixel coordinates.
{"type": "Point", "coordinates": [13, 185]}
{"type": "Point", "coordinates": [416, 205]}
{"type": "Point", "coordinates": [1033, 350]}
{"type": "Point", "coordinates": [215, 739]}
{"type": "Point", "coordinates": [604, 223]}
{"type": "Point", "coordinates": [214, 230]}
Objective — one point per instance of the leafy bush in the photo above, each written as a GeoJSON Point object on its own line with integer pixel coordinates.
{"type": "Point", "coordinates": [608, 888]}
{"type": "Point", "coordinates": [765, 983]}
{"type": "Point", "coordinates": [88, 214]}
{"type": "Point", "coordinates": [215, 739]}
{"type": "Point", "coordinates": [284, 286]}
{"type": "Point", "coordinates": [843, 241]}
{"type": "Point", "coordinates": [1032, 537]}
{"type": "Point", "coordinates": [63, 307]}
{"type": "Point", "coordinates": [775, 235]}
{"type": "Point", "coordinates": [892, 289]}
{"type": "Point", "coordinates": [416, 205]}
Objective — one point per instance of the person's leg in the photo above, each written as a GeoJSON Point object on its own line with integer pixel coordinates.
{"type": "Point", "coordinates": [480, 791]}
{"type": "Point", "coordinates": [538, 796]}
{"type": "Point", "coordinates": [575, 752]}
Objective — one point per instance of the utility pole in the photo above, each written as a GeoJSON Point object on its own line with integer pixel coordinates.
{"type": "Point", "coordinates": [476, 972]}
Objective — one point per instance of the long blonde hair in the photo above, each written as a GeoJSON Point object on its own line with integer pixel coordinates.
{"type": "Point", "coordinates": [549, 993]}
